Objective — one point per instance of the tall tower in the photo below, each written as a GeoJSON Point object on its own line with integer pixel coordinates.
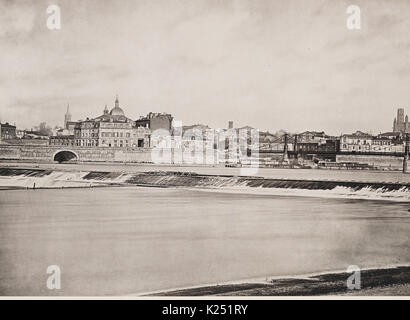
{"type": "Point", "coordinates": [401, 122]}
{"type": "Point", "coordinates": [67, 117]}
{"type": "Point", "coordinates": [395, 125]}
{"type": "Point", "coordinates": [400, 116]}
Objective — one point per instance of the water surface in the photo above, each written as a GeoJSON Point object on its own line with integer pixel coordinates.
{"type": "Point", "coordinates": [116, 241]}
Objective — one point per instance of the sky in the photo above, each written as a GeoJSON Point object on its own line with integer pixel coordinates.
{"type": "Point", "coordinates": [270, 64]}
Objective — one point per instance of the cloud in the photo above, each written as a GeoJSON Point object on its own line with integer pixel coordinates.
{"type": "Point", "coordinates": [270, 64]}
{"type": "Point", "coordinates": [17, 19]}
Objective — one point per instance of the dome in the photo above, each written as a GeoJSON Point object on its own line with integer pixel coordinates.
{"type": "Point", "coordinates": [116, 111]}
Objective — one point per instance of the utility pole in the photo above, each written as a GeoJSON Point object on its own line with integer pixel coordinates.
{"type": "Point", "coordinates": [295, 147]}
{"type": "Point", "coordinates": [285, 150]}
{"type": "Point", "coordinates": [406, 154]}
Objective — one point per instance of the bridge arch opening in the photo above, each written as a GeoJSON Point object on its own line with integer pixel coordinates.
{"type": "Point", "coordinates": [65, 156]}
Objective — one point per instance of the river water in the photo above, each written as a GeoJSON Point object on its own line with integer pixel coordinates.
{"type": "Point", "coordinates": [129, 240]}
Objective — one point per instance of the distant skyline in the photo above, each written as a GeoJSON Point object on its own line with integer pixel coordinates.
{"type": "Point", "coordinates": [273, 65]}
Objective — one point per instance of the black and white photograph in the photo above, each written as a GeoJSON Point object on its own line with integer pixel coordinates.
{"type": "Point", "coordinates": [229, 149]}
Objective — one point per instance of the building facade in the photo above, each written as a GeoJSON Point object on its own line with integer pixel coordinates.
{"type": "Point", "coordinates": [365, 143]}
{"type": "Point", "coordinates": [62, 140]}
{"type": "Point", "coordinates": [155, 121]}
{"type": "Point", "coordinates": [111, 129]}
{"type": "Point", "coordinates": [356, 142]}
{"type": "Point", "coordinates": [7, 131]}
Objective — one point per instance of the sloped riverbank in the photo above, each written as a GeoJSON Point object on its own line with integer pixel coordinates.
{"type": "Point", "coordinates": [388, 281]}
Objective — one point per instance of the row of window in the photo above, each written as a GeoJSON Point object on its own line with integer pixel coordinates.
{"type": "Point", "coordinates": [94, 143]}
{"type": "Point", "coordinates": [381, 142]}
{"type": "Point", "coordinates": [85, 134]}
{"type": "Point", "coordinates": [116, 134]}
{"type": "Point", "coordinates": [124, 125]}
{"type": "Point", "coordinates": [62, 142]}
{"type": "Point", "coordinates": [367, 147]}
{"type": "Point", "coordinates": [86, 143]}
{"type": "Point", "coordinates": [366, 142]}
{"type": "Point", "coordinates": [89, 125]}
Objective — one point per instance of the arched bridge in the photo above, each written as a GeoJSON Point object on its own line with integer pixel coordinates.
{"type": "Point", "coordinates": [65, 155]}
{"type": "Point", "coordinates": [73, 153]}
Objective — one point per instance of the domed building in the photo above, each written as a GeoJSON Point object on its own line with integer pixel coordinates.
{"type": "Point", "coordinates": [111, 129]}
{"type": "Point", "coordinates": [117, 111]}
{"type": "Point", "coordinates": [115, 115]}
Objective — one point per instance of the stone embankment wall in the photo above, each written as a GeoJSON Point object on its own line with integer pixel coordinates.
{"type": "Point", "coordinates": [104, 154]}
{"type": "Point", "coordinates": [379, 161]}
{"type": "Point", "coordinates": [47, 153]}
{"type": "Point", "coordinates": [150, 155]}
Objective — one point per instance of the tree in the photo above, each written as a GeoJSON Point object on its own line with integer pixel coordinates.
{"type": "Point", "coordinates": [44, 129]}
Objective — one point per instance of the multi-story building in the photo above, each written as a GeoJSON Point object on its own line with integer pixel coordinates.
{"type": "Point", "coordinates": [327, 146]}
{"type": "Point", "coordinates": [111, 129]}
{"type": "Point", "coordinates": [62, 140]}
{"type": "Point", "coordinates": [366, 143]}
{"type": "Point", "coordinates": [315, 141]}
{"type": "Point", "coordinates": [312, 136]}
{"type": "Point", "coordinates": [356, 142]}
{"type": "Point", "coordinates": [155, 121]}
{"type": "Point", "coordinates": [381, 144]}
{"type": "Point", "coordinates": [7, 131]}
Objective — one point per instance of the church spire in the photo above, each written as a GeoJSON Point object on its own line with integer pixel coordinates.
{"type": "Point", "coordinates": [117, 103]}
{"type": "Point", "coordinates": [67, 117]}
{"type": "Point", "coordinates": [106, 109]}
